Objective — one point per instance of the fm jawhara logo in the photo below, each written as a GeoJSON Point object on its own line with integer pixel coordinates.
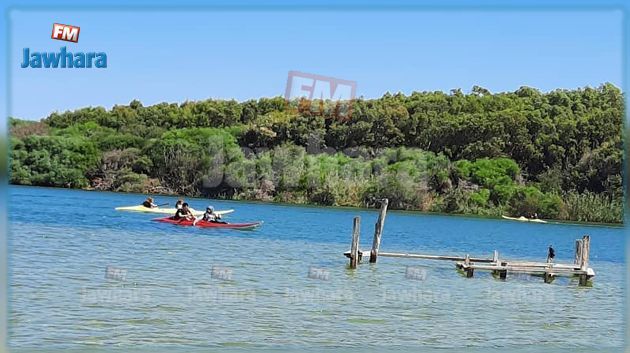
{"type": "Point", "coordinates": [63, 59]}
{"type": "Point", "coordinates": [65, 32]}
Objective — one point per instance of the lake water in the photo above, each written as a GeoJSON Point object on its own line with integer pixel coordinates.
{"type": "Point", "coordinates": [179, 287]}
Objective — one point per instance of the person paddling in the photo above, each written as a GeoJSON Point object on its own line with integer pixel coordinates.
{"type": "Point", "coordinates": [209, 216]}
{"type": "Point", "coordinates": [184, 213]}
{"type": "Point", "coordinates": [148, 203]}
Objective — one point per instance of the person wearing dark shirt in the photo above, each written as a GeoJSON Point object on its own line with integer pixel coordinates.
{"type": "Point", "coordinates": [184, 213]}
{"type": "Point", "coordinates": [551, 254]}
{"type": "Point", "coordinates": [148, 203]}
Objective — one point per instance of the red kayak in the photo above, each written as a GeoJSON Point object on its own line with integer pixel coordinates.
{"type": "Point", "coordinates": [204, 224]}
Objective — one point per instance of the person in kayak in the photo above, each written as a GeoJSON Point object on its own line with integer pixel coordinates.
{"type": "Point", "coordinates": [209, 216]}
{"type": "Point", "coordinates": [184, 213]}
{"type": "Point", "coordinates": [148, 203]}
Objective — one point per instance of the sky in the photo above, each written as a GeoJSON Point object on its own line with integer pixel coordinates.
{"type": "Point", "coordinates": [174, 56]}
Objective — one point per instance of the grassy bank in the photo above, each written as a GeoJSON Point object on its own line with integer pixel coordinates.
{"type": "Point", "coordinates": [556, 155]}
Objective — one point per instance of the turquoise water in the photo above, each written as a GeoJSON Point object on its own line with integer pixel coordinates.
{"type": "Point", "coordinates": [180, 287]}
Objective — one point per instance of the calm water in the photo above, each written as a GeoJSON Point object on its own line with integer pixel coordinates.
{"type": "Point", "coordinates": [260, 295]}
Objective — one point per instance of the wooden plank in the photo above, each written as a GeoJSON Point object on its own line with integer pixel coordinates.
{"type": "Point", "coordinates": [542, 265]}
{"type": "Point", "coordinates": [423, 256]}
{"type": "Point", "coordinates": [378, 231]}
{"type": "Point", "coordinates": [534, 269]}
{"type": "Point", "coordinates": [527, 269]}
{"type": "Point", "coordinates": [464, 265]}
{"type": "Point", "coordinates": [432, 257]}
{"type": "Point", "coordinates": [354, 249]}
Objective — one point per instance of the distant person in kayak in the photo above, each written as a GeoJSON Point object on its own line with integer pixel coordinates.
{"type": "Point", "coordinates": [179, 203]}
{"type": "Point", "coordinates": [148, 203]}
{"type": "Point", "coordinates": [184, 213]}
{"type": "Point", "coordinates": [209, 216]}
{"type": "Point", "coordinates": [551, 254]}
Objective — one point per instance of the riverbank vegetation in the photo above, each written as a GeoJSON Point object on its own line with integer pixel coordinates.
{"type": "Point", "coordinates": [556, 155]}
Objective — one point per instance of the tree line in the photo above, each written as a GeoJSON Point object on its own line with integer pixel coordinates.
{"type": "Point", "coordinates": [556, 154]}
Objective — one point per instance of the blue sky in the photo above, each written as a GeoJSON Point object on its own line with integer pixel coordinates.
{"type": "Point", "coordinates": [172, 56]}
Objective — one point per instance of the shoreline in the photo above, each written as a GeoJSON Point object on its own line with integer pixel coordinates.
{"type": "Point", "coordinates": [306, 205]}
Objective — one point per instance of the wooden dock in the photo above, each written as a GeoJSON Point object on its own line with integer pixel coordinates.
{"type": "Point", "coordinates": [547, 270]}
{"type": "Point", "coordinates": [500, 268]}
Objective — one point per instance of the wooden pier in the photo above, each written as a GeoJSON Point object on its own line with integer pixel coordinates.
{"type": "Point", "coordinates": [500, 268]}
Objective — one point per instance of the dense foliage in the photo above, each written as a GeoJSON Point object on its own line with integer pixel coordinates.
{"type": "Point", "coordinates": [555, 155]}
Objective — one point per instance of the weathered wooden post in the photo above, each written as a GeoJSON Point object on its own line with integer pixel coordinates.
{"type": "Point", "coordinates": [378, 231]}
{"type": "Point", "coordinates": [586, 249]}
{"type": "Point", "coordinates": [354, 248]}
{"type": "Point", "coordinates": [548, 277]}
{"type": "Point", "coordinates": [583, 280]}
{"type": "Point", "coordinates": [498, 271]}
{"type": "Point", "coordinates": [469, 270]}
{"type": "Point", "coordinates": [578, 253]}
{"type": "Point", "coordinates": [503, 274]}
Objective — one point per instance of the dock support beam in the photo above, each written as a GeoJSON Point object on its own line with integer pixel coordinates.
{"type": "Point", "coordinates": [501, 273]}
{"type": "Point", "coordinates": [354, 249]}
{"type": "Point", "coordinates": [585, 249]}
{"type": "Point", "coordinates": [470, 271]}
{"type": "Point", "coordinates": [378, 231]}
{"type": "Point", "coordinates": [549, 277]}
{"type": "Point", "coordinates": [583, 280]}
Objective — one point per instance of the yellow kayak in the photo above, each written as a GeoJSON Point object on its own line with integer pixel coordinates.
{"type": "Point", "coordinates": [524, 219]}
{"type": "Point", "coordinates": [170, 211]}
